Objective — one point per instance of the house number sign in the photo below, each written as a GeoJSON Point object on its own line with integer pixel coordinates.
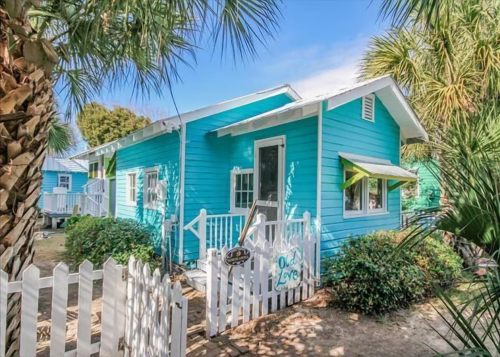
{"type": "Point", "coordinates": [287, 269]}
{"type": "Point", "coordinates": [237, 256]}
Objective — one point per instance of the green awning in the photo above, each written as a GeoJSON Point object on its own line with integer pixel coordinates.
{"type": "Point", "coordinates": [110, 166]}
{"type": "Point", "coordinates": [365, 166]}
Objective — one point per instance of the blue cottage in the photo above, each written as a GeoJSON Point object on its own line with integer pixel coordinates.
{"type": "Point", "coordinates": [331, 162]}
{"type": "Point", "coordinates": [60, 173]}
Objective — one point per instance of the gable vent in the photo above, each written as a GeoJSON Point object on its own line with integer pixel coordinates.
{"type": "Point", "coordinates": [368, 109]}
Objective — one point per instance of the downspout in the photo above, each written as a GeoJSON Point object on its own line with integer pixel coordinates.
{"type": "Point", "coordinates": [318, 189]}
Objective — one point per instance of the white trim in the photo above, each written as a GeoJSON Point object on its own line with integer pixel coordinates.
{"type": "Point", "coordinates": [281, 142]}
{"type": "Point", "coordinates": [146, 204]}
{"type": "Point", "coordinates": [366, 211]}
{"type": "Point", "coordinates": [232, 190]}
{"type": "Point", "coordinates": [128, 202]}
{"type": "Point", "coordinates": [181, 193]}
{"type": "Point", "coordinates": [363, 109]}
{"type": "Point", "coordinates": [173, 123]}
{"type": "Point", "coordinates": [70, 181]}
{"type": "Point", "coordinates": [319, 172]}
{"type": "Point", "coordinates": [384, 87]}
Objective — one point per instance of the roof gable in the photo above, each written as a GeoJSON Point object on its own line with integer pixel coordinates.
{"type": "Point", "coordinates": [64, 165]}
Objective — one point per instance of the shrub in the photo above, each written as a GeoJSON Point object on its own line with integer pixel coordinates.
{"type": "Point", "coordinates": [97, 239]}
{"type": "Point", "coordinates": [372, 276]}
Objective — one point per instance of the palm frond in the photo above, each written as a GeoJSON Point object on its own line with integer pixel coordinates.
{"type": "Point", "coordinates": [61, 138]}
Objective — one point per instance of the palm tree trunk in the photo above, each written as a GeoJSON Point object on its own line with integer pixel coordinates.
{"type": "Point", "coordinates": [26, 110]}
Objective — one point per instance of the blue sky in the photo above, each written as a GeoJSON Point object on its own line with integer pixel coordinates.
{"type": "Point", "coordinates": [316, 50]}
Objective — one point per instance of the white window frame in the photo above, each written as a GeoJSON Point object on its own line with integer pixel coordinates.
{"type": "Point", "coordinates": [372, 97]}
{"type": "Point", "coordinates": [234, 172]}
{"type": "Point", "coordinates": [365, 199]}
{"type": "Point", "coordinates": [70, 181]}
{"type": "Point", "coordinates": [147, 204]}
{"type": "Point", "coordinates": [128, 188]}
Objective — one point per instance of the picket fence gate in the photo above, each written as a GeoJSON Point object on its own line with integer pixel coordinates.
{"type": "Point", "coordinates": [142, 314]}
{"type": "Point", "coordinates": [249, 292]}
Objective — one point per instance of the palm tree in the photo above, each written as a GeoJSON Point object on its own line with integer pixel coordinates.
{"type": "Point", "coordinates": [402, 10]}
{"type": "Point", "coordinates": [84, 47]}
{"type": "Point", "coordinates": [470, 161]}
{"type": "Point", "coordinates": [447, 70]}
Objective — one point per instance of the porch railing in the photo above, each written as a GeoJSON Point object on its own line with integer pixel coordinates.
{"type": "Point", "coordinates": [224, 230]}
{"type": "Point", "coordinates": [65, 203]}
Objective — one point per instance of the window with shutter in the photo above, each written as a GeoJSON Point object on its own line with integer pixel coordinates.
{"type": "Point", "coordinates": [368, 109]}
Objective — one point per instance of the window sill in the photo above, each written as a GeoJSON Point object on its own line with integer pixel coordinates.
{"type": "Point", "coordinates": [364, 215]}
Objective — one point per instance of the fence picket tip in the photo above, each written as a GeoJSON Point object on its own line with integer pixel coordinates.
{"type": "Point", "coordinates": [110, 261]}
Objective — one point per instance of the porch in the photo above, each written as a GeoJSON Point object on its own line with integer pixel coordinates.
{"type": "Point", "coordinates": [61, 204]}
{"type": "Point", "coordinates": [218, 231]}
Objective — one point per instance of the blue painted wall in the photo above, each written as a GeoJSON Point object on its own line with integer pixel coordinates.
{"type": "Point", "coordinates": [49, 181]}
{"type": "Point", "coordinates": [207, 178]}
{"type": "Point", "coordinates": [428, 187]}
{"type": "Point", "coordinates": [162, 152]}
{"type": "Point", "coordinates": [344, 130]}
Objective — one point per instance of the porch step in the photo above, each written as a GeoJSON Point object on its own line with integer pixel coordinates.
{"type": "Point", "coordinates": [197, 279]}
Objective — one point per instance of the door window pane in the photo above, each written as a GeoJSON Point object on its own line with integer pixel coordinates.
{"type": "Point", "coordinates": [375, 191]}
{"type": "Point", "coordinates": [268, 173]}
{"type": "Point", "coordinates": [353, 194]}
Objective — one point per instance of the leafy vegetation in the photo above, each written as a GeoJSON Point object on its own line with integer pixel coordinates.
{"type": "Point", "coordinates": [447, 70]}
{"type": "Point", "coordinates": [100, 125]}
{"type": "Point", "coordinates": [370, 277]}
{"type": "Point", "coordinates": [97, 239]}
{"type": "Point", "coordinates": [470, 161]}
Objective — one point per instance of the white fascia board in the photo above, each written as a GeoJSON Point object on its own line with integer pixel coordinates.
{"type": "Point", "coordinates": [233, 103]}
{"type": "Point", "coordinates": [407, 119]}
{"type": "Point", "coordinates": [265, 122]}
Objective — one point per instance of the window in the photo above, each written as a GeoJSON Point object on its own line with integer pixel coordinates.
{"type": "Point", "coordinates": [150, 188]}
{"type": "Point", "coordinates": [64, 180]}
{"type": "Point", "coordinates": [241, 190]}
{"type": "Point", "coordinates": [94, 169]}
{"type": "Point", "coordinates": [131, 188]}
{"type": "Point", "coordinates": [364, 197]}
{"type": "Point", "coordinates": [353, 195]}
{"type": "Point", "coordinates": [368, 108]}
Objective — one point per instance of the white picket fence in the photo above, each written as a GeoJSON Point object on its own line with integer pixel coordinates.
{"type": "Point", "coordinates": [249, 292]}
{"type": "Point", "coordinates": [148, 314]}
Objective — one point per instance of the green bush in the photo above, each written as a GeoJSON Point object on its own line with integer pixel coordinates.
{"type": "Point", "coordinates": [372, 276]}
{"type": "Point", "coordinates": [97, 239]}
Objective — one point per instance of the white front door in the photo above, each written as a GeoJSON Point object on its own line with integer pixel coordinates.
{"type": "Point", "coordinates": [268, 178]}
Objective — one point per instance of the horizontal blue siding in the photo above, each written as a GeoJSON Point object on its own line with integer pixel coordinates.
{"type": "Point", "coordinates": [207, 179]}
{"type": "Point", "coordinates": [345, 131]}
{"type": "Point", "coordinates": [49, 181]}
{"type": "Point", "coordinates": [161, 152]}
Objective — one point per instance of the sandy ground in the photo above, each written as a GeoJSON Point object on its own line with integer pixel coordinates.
{"type": "Point", "coordinates": [308, 329]}
{"type": "Point", "coordinates": [314, 329]}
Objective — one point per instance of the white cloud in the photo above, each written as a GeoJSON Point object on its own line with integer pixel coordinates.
{"type": "Point", "coordinates": [327, 81]}
{"type": "Point", "coordinates": [319, 70]}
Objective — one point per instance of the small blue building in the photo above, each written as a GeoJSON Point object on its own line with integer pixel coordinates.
{"type": "Point", "coordinates": [67, 174]}
{"type": "Point", "coordinates": [336, 157]}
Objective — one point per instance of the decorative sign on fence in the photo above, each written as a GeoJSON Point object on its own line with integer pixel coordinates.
{"type": "Point", "coordinates": [287, 269]}
{"type": "Point", "coordinates": [237, 256]}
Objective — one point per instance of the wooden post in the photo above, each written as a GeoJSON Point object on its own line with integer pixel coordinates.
{"type": "Point", "coordinates": [261, 227]}
{"type": "Point", "coordinates": [202, 231]}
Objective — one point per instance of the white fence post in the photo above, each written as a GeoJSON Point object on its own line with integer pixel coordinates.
{"type": "Point", "coordinates": [29, 311]}
{"type": "Point", "coordinates": [59, 308]}
{"type": "Point", "coordinates": [211, 299]}
{"type": "Point", "coordinates": [4, 278]}
{"type": "Point", "coordinates": [202, 229]}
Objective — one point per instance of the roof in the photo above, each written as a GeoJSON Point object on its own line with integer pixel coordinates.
{"type": "Point", "coordinates": [64, 165]}
{"type": "Point", "coordinates": [173, 123]}
{"type": "Point", "coordinates": [378, 167]}
{"type": "Point", "coordinates": [384, 87]}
